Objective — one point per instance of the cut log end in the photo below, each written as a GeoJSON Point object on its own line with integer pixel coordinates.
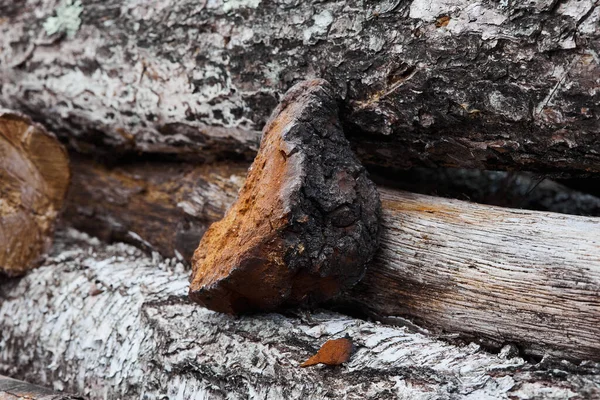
{"type": "Point", "coordinates": [306, 222]}
{"type": "Point", "coordinates": [34, 176]}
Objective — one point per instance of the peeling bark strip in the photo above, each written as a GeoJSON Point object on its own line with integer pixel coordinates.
{"type": "Point", "coordinates": [509, 85]}
{"type": "Point", "coordinates": [34, 176]}
{"type": "Point", "coordinates": [419, 273]}
{"type": "Point", "coordinates": [306, 222]}
{"type": "Point", "coordinates": [11, 389]}
{"type": "Point", "coordinates": [136, 336]}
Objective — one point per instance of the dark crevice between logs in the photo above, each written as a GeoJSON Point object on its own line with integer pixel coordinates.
{"type": "Point", "coordinates": [521, 190]}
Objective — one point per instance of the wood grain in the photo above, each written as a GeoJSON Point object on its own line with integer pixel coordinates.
{"type": "Point", "coordinates": [34, 177]}
{"type": "Point", "coordinates": [505, 275]}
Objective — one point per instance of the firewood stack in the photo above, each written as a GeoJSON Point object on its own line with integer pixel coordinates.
{"type": "Point", "coordinates": [187, 211]}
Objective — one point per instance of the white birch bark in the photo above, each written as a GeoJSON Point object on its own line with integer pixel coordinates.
{"type": "Point", "coordinates": [108, 322]}
{"type": "Point", "coordinates": [477, 84]}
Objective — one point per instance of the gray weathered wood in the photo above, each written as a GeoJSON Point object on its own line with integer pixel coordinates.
{"type": "Point", "coordinates": [497, 274]}
{"type": "Point", "coordinates": [109, 322]}
{"type": "Point", "coordinates": [479, 84]}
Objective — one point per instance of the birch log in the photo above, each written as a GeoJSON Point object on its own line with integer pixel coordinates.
{"type": "Point", "coordinates": [496, 85]}
{"type": "Point", "coordinates": [492, 273]}
{"type": "Point", "coordinates": [108, 322]}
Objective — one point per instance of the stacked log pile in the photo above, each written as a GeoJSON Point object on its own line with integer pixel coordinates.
{"type": "Point", "coordinates": [160, 107]}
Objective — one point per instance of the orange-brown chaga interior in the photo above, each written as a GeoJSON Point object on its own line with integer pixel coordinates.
{"type": "Point", "coordinates": [252, 222]}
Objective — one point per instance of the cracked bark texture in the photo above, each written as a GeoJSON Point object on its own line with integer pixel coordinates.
{"type": "Point", "coordinates": [485, 84]}
{"type": "Point", "coordinates": [105, 321]}
{"type": "Point", "coordinates": [306, 222]}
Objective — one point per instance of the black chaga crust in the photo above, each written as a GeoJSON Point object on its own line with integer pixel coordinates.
{"type": "Point", "coordinates": [306, 223]}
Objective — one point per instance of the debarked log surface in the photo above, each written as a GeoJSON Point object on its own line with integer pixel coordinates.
{"type": "Point", "coordinates": [501, 275]}
{"type": "Point", "coordinates": [476, 84]}
{"type": "Point", "coordinates": [107, 321]}
{"type": "Point", "coordinates": [505, 275]}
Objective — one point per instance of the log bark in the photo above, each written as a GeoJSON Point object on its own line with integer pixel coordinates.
{"type": "Point", "coordinates": [34, 176]}
{"type": "Point", "coordinates": [496, 274]}
{"type": "Point", "coordinates": [455, 83]}
{"type": "Point", "coordinates": [158, 206]}
{"type": "Point", "coordinates": [108, 322]}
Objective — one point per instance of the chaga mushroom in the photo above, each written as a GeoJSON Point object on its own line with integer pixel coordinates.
{"type": "Point", "coordinates": [306, 222]}
{"type": "Point", "coordinates": [34, 176]}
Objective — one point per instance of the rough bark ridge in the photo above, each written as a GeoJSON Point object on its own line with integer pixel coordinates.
{"type": "Point", "coordinates": [481, 84]}
{"type": "Point", "coordinates": [34, 176]}
{"type": "Point", "coordinates": [306, 222]}
{"type": "Point", "coordinates": [108, 322]}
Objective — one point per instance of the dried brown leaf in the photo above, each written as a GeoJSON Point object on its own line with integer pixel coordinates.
{"type": "Point", "coordinates": [333, 352]}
